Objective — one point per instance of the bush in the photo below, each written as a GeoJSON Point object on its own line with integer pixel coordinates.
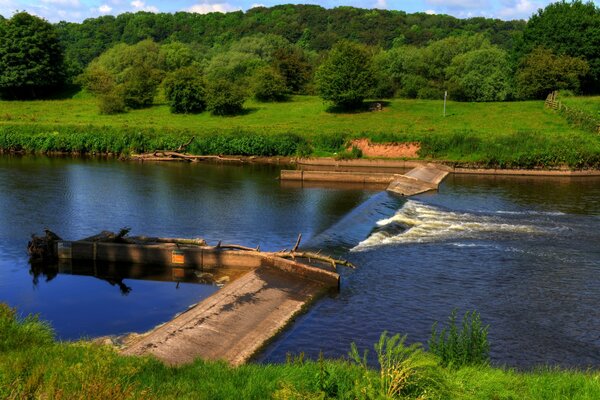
{"type": "Point", "coordinates": [112, 102]}
{"type": "Point", "coordinates": [404, 372]}
{"type": "Point", "coordinates": [140, 86]}
{"type": "Point", "coordinates": [224, 98]}
{"type": "Point", "coordinates": [346, 78]}
{"type": "Point", "coordinates": [480, 75]}
{"type": "Point", "coordinates": [269, 85]}
{"type": "Point", "coordinates": [542, 72]}
{"type": "Point", "coordinates": [185, 91]}
{"type": "Point", "coordinates": [468, 347]}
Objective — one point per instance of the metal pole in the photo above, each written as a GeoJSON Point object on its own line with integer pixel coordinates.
{"type": "Point", "coordinates": [445, 96]}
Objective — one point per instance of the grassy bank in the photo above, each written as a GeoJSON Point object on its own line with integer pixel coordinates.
{"type": "Point", "coordinates": [517, 134]}
{"type": "Point", "coordinates": [33, 365]}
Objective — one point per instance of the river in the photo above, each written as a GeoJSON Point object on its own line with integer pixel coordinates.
{"type": "Point", "coordinates": [524, 252]}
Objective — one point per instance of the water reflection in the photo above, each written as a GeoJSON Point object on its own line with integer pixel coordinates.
{"type": "Point", "coordinates": [116, 273]}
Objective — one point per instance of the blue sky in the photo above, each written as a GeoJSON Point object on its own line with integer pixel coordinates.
{"type": "Point", "coordinates": [77, 10]}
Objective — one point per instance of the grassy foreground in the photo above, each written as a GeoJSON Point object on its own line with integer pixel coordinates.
{"type": "Point", "coordinates": [33, 365]}
{"type": "Point", "coordinates": [510, 134]}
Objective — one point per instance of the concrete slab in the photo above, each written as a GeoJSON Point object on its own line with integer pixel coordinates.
{"type": "Point", "coordinates": [234, 323]}
{"type": "Point", "coordinates": [433, 175]}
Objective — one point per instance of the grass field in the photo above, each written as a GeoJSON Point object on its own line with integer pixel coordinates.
{"type": "Point", "coordinates": [509, 134]}
{"type": "Point", "coordinates": [591, 104]}
{"type": "Point", "coordinates": [34, 366]}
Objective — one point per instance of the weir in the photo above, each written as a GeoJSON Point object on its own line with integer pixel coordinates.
{"type": "Point", "coordinates": [236, 321]}
{"type": "Point", "coordinates": [420, 179]}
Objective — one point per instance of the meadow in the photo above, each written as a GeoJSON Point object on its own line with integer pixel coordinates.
{"type": "Point", "coordinates": [503, 134]}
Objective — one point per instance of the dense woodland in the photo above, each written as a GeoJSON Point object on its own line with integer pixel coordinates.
{"type": "Point", "coordinates": [215, 61]}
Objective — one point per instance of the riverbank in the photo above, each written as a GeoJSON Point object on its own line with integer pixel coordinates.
{"type": "Point", "coordinates": [33, 365]}
{"type": "Point", "coordinates": [482, 135]}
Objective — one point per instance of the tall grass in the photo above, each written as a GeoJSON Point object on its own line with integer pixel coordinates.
{"type": "Point", "coordinates": [459, 347]}
{"type": "Point", "coordinates": [34, 366]}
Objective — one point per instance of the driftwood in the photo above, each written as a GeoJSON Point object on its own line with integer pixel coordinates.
{"type": "Point", "coordinates": [41, 248]}
{"type": "Point", "coordinates": [293, 254]}
{"type": "Point", "coordinates": [165, 155]}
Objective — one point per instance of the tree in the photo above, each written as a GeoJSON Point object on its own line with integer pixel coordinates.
{"type": "Point", "coordinates": [224, 97]}
{"type": "Point", "coordinates": [31, 57]}
{"type": "Point", "coordinates": [569, 28]}
{"type": "Point", "coordinates": [133, 72]}
{"type": "Point", "coordinates": [346, 77]}
{"type": "Point", "coordinates": [185, 91]}
{"type": "Point", "coordinates": [294, 65]}
{"type": "Point", "coordinates": [541, 72]}
{"type": "Point", "coordinates": [269, 85]}
{"type": "Point", "coordinates": [480, 75]}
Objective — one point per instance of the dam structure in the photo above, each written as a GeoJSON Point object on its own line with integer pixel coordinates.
{"type": "Point", "coordinates": [420, 179]}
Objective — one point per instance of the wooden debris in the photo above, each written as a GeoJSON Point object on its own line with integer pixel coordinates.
{"type": "Point", "coordinates": [41, 248]}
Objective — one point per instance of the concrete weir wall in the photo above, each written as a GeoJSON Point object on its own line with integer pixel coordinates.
{"type": "Point", "coordinates": [236, 321]}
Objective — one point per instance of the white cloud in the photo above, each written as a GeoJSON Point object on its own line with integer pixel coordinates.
{"type": "Point", "coordinates": [519, 9]}
{"type": "Point", "coordinates": [206, 7]}
{"type": "Point", "coordinates": [63, 3]}
{"type": "Point", "coordinates": [104, 9]}
{"type": "Point", "coordinates": [430, 12]}
{"type": "Point", "coordinates": [381, 4]}
{"type": "Point", "coordinates": [460, 4]}
{"type": "Point", "coordinates": [254, 5]}
{"type": "Point", "coordinates": [139, 5]}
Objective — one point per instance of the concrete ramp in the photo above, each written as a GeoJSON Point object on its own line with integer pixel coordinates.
{"type": "Point", "coordinates": [418, 180]}
{"type": "Point", "coordinates": [234, 323]}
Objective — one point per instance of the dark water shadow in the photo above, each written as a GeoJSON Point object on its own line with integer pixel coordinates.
{"type": "Point", "coordinates": [364, 107]}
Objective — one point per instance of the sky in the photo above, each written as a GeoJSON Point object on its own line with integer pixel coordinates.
{"type": "Point", "coordinates": [78, 10]}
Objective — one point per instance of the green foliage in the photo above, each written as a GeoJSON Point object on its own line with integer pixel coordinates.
{"type": "Point", "coordinates": [424, 72]}
{"type": "Point", "coordinates": [32, 365]}
{"type": "Point", "coordinates": [269, 85]}
{"type": "Point", "coordinates": [480, 75]}
{"type": "Point", "coordinates": [132, 72]}
{"type": "Point", "coordinates": [31, 57]}
{"type": "Point", "coordinates": [112, 101]}
{"type": "Point", "coordinates": [570, 28]}
{"type": "Point", "coordinates": [404, 371]}
{"type": "Point", "coordinates": [352, 154]}
{"type": "Point", "coordinates": [346, 77]}
{"type": "Point", "coordinates": [542, 72]}
{"type": "Point", "coordinates": [455, 348]}
{"type": "Point", "coordinates": [185, 90]}
{"type": "Point", "coordinates": [294, 65]}
{"type": "Point", "coordinates": [224, 97]}
{"type": "Point", "coordinates": [582, 112]}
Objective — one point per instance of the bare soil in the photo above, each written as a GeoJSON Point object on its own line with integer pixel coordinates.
{"type": "Point", "coordinates": [387, 150]}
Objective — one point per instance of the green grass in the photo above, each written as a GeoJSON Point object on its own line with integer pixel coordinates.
{"type": "Point", "coordinates": [510, 134]}
{"type": "Point", "coordinates": [591, 104]}
{"type": "Point", "coordinates": [33, 365]}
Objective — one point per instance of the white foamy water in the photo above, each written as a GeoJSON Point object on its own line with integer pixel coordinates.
{"type": "Point", "coordinates": [416, 222]}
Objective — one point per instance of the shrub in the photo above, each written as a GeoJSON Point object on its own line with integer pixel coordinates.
{"type": "Point", "coordinates": [224, 97]}
{"type": "Point", "coordinates": [346, 78]}
{"type": "Point", "coordinates": [185, 91]}
{"type": "Point", "coordinates": [269, 85]}
{"type": "Point", "coordinates": [112, 102]}
{"type": "Point", "coordinates": [404, 371]}
{"type": "Point", "coordinates": [469, 346]}
{"type": "Point", "coordinates": [140, 86]}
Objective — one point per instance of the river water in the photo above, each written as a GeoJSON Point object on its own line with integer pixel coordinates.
{"type": "Point", "coordinates": [523, 252]}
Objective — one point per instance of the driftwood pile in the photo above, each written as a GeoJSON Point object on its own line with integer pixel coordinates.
{"type": "Point", "coordinates": [42, 248]}
{"type": "Point", "coordinates": [180, 155]}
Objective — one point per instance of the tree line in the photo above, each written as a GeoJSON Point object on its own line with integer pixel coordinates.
{"type": "Point", "coordinates": [216, 61]}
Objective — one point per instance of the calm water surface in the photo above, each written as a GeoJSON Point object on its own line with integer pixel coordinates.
{"type": "Point", "coordinates": [524, 252]}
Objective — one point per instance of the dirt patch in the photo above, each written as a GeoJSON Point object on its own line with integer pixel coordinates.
{"type": "Point", "coordinates": [387, 150]}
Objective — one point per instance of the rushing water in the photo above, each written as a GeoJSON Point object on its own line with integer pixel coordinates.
{"type": "Point", "coordinates": [524, 252]}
